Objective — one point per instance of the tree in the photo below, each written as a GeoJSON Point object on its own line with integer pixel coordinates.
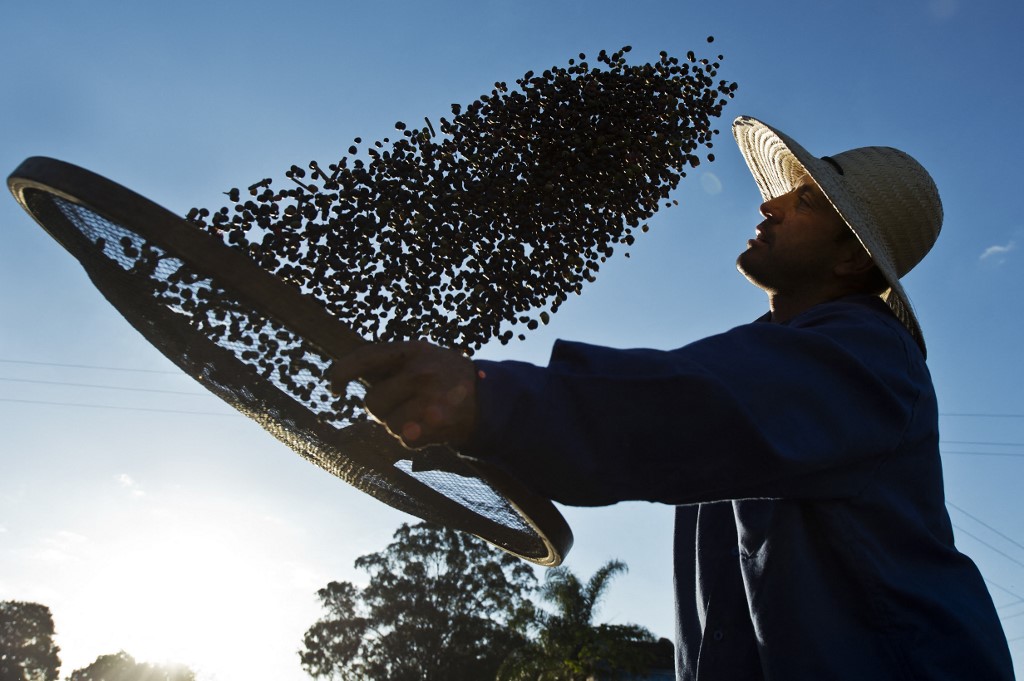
{"type": "Point", "coordinates": [122, 667]}
{"type": "Point", "coordinates": [27, 650]}
{"type": "Point", "coordinates": [569, 646]}
{"type": "Point", "coordinates": [440, 605]}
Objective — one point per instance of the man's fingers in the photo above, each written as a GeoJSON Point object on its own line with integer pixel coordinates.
{"type": "Point", "coordinates": [416, 423]}
{"type": "Point", "coordinates": [422, 393]}
{"type": "Point", "coordinates": [389, 394]}
{"type": "Point", "coordinates": [410, 406]}
{"type": "Point", "coordinates": [370, 362]}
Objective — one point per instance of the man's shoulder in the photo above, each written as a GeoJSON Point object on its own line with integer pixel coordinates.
{"type": "Point", "coordinates": [862, 309]}
{"type": "Point", "coordinates": [867, 321]}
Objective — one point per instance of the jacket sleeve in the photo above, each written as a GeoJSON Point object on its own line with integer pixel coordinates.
{"type": "Point", "coordinates": [802, 410]}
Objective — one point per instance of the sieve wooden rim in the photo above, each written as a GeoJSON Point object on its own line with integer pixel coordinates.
{"type": "Point", "coordinates": [265, 293]}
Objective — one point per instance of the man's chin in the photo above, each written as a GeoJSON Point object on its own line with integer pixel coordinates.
{"type": "Point", "coordinates": [744, 264]}
{"type": "Point", "coordinates": [749, 269]}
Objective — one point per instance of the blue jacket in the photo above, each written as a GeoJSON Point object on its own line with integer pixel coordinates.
{"type": "Point", "coordinates": [812, 540]}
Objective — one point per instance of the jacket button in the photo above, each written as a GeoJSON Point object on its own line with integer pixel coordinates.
{"type": "Point", "coordinates": [718, 635]}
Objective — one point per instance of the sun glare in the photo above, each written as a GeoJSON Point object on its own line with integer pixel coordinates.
{"type": "Point", "coordinates": [192, 582]}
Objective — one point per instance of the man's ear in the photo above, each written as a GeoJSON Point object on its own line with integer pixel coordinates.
{"type": "Point", "coordinates": [853, 260]}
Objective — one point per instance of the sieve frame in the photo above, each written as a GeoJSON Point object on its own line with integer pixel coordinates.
{"type": "Point", "coordinates": [267, 295]}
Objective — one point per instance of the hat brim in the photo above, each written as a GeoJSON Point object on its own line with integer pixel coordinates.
{"type": "Point", "coordinates": [778, 163]}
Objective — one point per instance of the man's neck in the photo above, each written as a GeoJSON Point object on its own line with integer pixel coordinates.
{"type": "Point", "coordinates": [786, 307]}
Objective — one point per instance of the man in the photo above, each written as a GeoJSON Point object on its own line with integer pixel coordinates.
{"type": "Point", "coordinates": [801, 451]}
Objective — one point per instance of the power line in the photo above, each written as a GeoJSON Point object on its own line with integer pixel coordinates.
{"type": "Point", "coordinates": [1006, 605]}
{"type": "Point", "coordinates": [984, 524]}
{"type": "Point", "coordinates": [115, 407]}
{"type": "Point", "coordinates": [988, 444]}
{"type": "Point", "coordinates": [90, 366]}
{"type": "Point", "coordinates": [989, 416]}
{"type": "Point", "coordinates": [1004, 589]}
{"type": "Point", "coordinates": [93, 385]}
{"type": "Point", "coordinates": [1013, 541]}
{"type": "Point", "coordinates": [1017, 455]}
{"type": "Point", "coordinates": [999, 551]}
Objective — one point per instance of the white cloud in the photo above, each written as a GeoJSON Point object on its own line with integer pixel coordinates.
{"type": "Point", "coordinates": [61, 547]}
{"type": "Point", "coordinates": [992, 251]}
{"type": "Point", "coordinates": [127, 482]}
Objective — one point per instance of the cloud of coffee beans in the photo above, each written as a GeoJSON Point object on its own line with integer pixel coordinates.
{"type": "Point", "coordinates": [458, 233]}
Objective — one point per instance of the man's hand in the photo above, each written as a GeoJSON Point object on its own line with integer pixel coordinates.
{"type": "Point", "coordinates": [422, 393]}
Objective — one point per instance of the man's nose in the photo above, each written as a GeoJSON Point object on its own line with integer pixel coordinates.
{"type": "Point", "coordinates": [771, 209]}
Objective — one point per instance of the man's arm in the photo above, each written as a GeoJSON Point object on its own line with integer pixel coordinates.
{"type": "Point", "coordinates": [804, 410]}
{"type": "Point", "coordinates": [765, 410]}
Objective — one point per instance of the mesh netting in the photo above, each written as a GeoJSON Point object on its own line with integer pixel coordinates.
{"type": "Point", "coordinates": [271, 374]}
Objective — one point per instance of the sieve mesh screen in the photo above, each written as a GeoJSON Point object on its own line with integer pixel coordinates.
{"type": "Point", "coordinates": [269, 372]}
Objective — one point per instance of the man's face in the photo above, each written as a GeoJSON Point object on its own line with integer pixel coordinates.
{"type": "Point", "coordinates": [797, 244]}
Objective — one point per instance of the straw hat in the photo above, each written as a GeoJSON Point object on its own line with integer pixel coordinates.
{"type": "Point", "coordinates": [885, 196]}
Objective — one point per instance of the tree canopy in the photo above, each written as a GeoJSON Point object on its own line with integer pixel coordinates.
{"type": "Point", "coordinates": [440, 605]}
{"type": "Point", "coordinates": [27, 650]}
{"type": "Point", "coordinates": [569, 646]}
{"type": "Point", "coordinates": [122, 667]}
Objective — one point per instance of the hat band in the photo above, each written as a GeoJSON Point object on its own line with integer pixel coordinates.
{"type": "Point", "coordinates": [834, 163]}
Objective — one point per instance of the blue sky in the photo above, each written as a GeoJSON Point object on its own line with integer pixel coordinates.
{"type": "Point", "coordinates": [195, 536]}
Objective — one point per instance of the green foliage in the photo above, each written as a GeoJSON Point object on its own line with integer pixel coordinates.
{"type": "Point", "coordinates": [440, 605]}
{"type": "Point", "coordinates": [569, 646]}
{"type": "Point", "coordinates": [27, 651]}
{"type": "Point", "coordinates": [122, 667]}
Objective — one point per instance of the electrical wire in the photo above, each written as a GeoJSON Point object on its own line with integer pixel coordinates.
{"type": "Point", "coordinates": [105, 387]}
{"type": "Point", "coordinates": [1017, 455]}
{"type": "Point", "coordinates": [999, 551]}
{"type": "Point", "coordinates": [1019, 599]}
{"type": "Point", "coordinates": [1002, 588]}
{"type": "Point", "coordinates": [982, 415]}
{"type": "Point", "coordinates": [988, 444]}
{"type": "Point", "coordinates": [90, 366]}
{"type": "Point", "coordinates": [984, 524]}
{"type": "Point", "coordinates": [121, 408]}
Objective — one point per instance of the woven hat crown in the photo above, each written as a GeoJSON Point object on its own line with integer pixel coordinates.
{"type": "Point", "coordinates": [890, 202]}
{"type": "Point", "coordinates": [883, 194]}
